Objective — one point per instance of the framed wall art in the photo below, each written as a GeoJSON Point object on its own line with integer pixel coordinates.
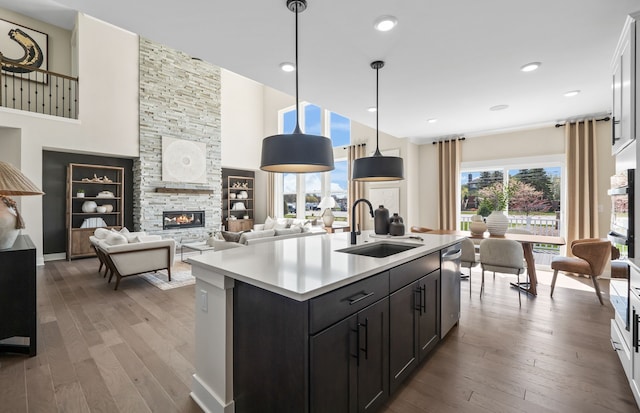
{"type": "Point", "coordinates": [184, 161]}
{"type": "Point", "coordinates": [25, 46]}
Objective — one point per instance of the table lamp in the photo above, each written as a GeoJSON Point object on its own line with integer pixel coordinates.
{"type": "Point", "coordinates": [12, 182]}
{"type": "Point", "coordinates": [327, 216]}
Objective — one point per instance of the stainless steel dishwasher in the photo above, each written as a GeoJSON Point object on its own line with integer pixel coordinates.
{"type": "Point", "coordinates": [450, 287]}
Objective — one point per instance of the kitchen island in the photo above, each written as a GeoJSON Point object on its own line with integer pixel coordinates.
{"type": "Point", "coordinates": [297, 325]}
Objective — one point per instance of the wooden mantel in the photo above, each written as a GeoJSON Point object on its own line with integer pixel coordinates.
{"type": "Point", "coordinates": [184, 191]}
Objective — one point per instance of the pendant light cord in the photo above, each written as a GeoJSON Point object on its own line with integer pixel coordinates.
{"type": "Point", "coordinates": [377, 65]}
{"type": "Point", "coordinates": [297, 130]}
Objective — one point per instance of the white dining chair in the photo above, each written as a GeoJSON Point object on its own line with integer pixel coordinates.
{"type": "Point", "coordinates": [503, 256]}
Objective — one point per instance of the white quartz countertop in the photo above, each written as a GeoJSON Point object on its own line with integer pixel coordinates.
{"type": "Point", "coordinates": [305, 267]}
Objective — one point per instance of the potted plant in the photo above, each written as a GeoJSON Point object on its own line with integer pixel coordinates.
{"type": "Point", "coordinates": [495, 200]}
{"type": "Point", "coordinates": [80, 193]}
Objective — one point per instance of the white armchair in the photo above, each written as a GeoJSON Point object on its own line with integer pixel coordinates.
{"type": "Point", "coordinates": [135, 258]}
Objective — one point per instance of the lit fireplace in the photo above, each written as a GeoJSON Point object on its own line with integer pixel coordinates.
{"type": "Point", "coordinates": [182, 219]}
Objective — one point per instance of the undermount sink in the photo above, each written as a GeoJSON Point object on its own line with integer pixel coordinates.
{"type": "Point", "coordinates": [378, 249]}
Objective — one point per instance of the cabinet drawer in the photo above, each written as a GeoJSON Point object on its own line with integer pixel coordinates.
{"type": "Point", "coordinates": [620, 345]}
{"type": "Point", "coordinates": [413, 270]}
{"type": "Point", "coordinates": [336, 305]}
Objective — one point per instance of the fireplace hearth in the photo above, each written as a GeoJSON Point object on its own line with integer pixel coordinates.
{"type": "Point", "coordinates": [182, 219]}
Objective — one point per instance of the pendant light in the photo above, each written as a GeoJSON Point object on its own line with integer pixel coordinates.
{"type": "Point", "coordinates": [297, 152]}
{"type": "Point", "coordinates": [378, 168]}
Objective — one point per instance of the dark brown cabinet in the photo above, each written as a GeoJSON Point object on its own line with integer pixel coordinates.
{"type": "Point", "coordinates": [18, 297]}
{"type": "Point", "coordinates": [344, 351]}
{"type": "Point", "coordinates": [414, 317]}
{"type": "Point", "coordinates": [349, 363]}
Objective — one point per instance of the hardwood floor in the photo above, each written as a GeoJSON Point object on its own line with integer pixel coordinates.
{"type": "Point", "coordinates": [132, 350]}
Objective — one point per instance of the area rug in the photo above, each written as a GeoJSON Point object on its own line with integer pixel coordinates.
{"type": "Point", "coordinates": [161, 279]}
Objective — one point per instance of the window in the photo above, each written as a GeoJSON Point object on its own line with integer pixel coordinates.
{"type": "Point", "coordinates": [536, 201]}
{"type": "Point", "coordinates": [301, 193]}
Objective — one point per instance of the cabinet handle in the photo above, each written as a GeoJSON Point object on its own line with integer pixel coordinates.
{"type": "Point", "coordinates": [357, 355]}
{"type": "Point", "coordinates": [423, 302]}
{"type": "Point", "coordinates": [352, 301]}
{"type": "Point", "coordinates": [614, 345]}
{"type": "Point", "coordinates": [366, 338]}
{"type": "Point", "coordinates": [635, 330]}
{"type": "Point", "coordinates": [417, 296]}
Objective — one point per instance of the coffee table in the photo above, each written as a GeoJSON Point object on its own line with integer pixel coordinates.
{"type": "Point", "coordinates": [195, 246]}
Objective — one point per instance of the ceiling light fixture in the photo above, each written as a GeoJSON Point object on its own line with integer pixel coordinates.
{"type": "Point", "coordinates": [530, 67]}
{"type": "Point", "coordinates": [385, 23]}
{"type": "Point", "coordinates": [287, 67]}
{"type": "Point", "coordinates": [571, 93]}
{"type": "Point", "coordinates": [378, 167]}
{"type": "Point", "coordinates": [372, 109]}
{"type": "Point", "coordinates": [432, 120]}
{"type": "Point", "coordinates": [297, 152]}
{"type": "Point", "coordinates": [498, 107]}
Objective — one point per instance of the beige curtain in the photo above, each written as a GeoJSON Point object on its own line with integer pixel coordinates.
{"type": "Point", "coordinates": [448, 173]}
{"type": "Point", "coordinates": [355, 188]}
{"type": "Point", "coordinates": [582, 189]}
{"type": "Point", "coordinates": [271, 193]}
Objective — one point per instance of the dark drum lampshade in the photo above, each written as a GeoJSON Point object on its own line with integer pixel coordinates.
{"type": "Point", "coordinates": [297, 152]}
{"type": "Point", "coordinates": [378, 167]}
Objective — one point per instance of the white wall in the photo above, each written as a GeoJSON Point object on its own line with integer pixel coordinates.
{"type": "Point", "coordinates": [108, 117]}
{"type": "Point", "coordinates": [539, 142]}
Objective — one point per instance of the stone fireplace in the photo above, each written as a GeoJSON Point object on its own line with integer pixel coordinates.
{"type": "Point", "coordinates": [180, 99]}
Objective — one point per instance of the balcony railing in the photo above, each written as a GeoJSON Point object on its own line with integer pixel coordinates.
{"type": "Point", "coordinates": [36, 90]}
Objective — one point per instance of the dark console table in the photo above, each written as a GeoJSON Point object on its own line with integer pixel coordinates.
{"type": "Point", "coordinates": [18, 296]}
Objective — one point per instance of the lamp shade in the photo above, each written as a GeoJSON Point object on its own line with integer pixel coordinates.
{"type": "Point", "coordinates": [14, 182]}
{"type": "Point", "coordinates": [327, 202]}
{"type": "Point", "coordinates": [378, 168]}
{"type": "Point", "coordinates": [297, 152]}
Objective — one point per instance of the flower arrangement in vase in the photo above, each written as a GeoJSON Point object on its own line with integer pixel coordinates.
{"type": "Point", "coordinates": [496, 199]}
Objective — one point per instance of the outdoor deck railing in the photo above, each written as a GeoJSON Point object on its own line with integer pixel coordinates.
{"type": "Point", "coordinates": [549, 226]}
{"type": "Point", "coordinates": [36, 90]}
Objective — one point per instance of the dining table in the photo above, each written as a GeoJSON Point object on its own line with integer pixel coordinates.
{"type": "Point", "coordinates": [526, 240]}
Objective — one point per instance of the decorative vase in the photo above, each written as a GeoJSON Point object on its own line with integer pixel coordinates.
{"type": "Point", "coordinates": [80, 195]}
{"type": "Point", "coordinates": [327, 217]}
{"type": "Point", "coordinates": [108, 207]}
{"type": "Point", "coordinates": [381, 220]}
{"type": "Point", "coordinates": [8, 231]}
{"type": "Point", "coordinates": [396, 225]}
{"type": "Point", "coordinates": [101, 209]}
{"type": "Point", "coordinates": [89, 206]}
{"type": "Point", "coordinates": [497, 223]}
{"type": "Point", "coordinates": [477, 228]}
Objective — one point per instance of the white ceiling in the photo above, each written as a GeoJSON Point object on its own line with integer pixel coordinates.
{"type": "Point", "coordinates": [450, 60]}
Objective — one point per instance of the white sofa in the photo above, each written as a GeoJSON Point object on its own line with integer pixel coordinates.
{"type": "Point", "coordinates": [136, 254]}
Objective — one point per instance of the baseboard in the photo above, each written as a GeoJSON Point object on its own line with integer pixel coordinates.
{"type": "Point", "coordinates": [208, 401]}
{"type": "Point", "coordinates": [55, 257]}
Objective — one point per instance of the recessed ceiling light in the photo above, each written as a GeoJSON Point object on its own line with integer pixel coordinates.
{"type": "Point", "coordinates": [530, 67]}
{"type": "Point", "coordinates": [385, 23]}
{"type": "Point", "coordinates": [498, 107]}
{"type": "Point", "coordinates": [432, 120]}
{"type": "Point", "coordinates": [287, 67]}
{"type": "Point", "coordinates": [372, 109]}
{"type": "Point", "coordinates": [571, 93]}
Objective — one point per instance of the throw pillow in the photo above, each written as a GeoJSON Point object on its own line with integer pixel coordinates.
{"type": "Point", "coordinates": [116, 239]}
{"type": "Point", "coordinates": [128, 235]}
{"type": "Point", "coordinates": [231, 236]}
{"type": "Point", "coordinates": [101, 233]}
{"type": "Point", "coordinates": [269, 223]}
{"type": "Point", "coordinates": [283, 223]}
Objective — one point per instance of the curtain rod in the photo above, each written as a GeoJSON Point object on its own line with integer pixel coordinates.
{"type": "Point", "coordinates": [606, 119]}
{"type": "Point", "coordinates": [355, 144]}
{"type": "Point", "coordinates": [447, 140]}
